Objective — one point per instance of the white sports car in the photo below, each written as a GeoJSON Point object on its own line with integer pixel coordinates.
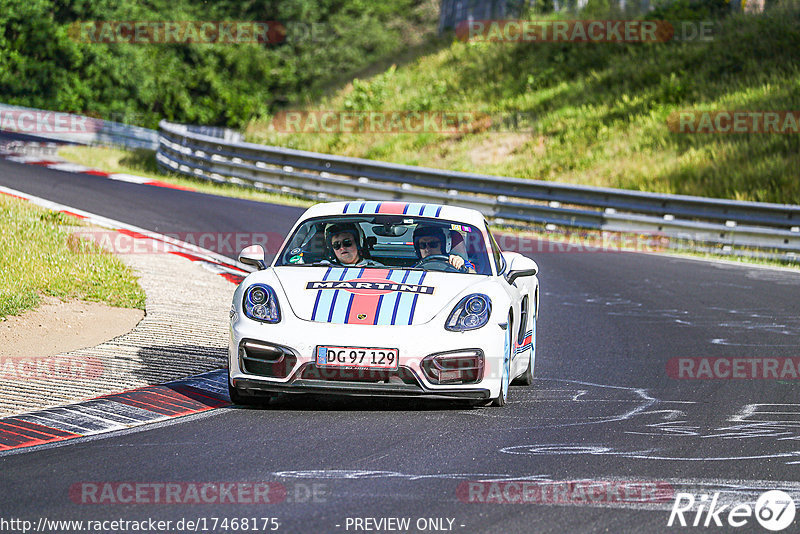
{"type": "Point", "coordinates": [384, 298]}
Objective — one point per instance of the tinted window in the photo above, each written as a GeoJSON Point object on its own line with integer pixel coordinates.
{"type": "Point", "coordinates": [389, 241]}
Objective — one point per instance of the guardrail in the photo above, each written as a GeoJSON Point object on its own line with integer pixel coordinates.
{"type": "Point", "coordinates": [71, 128]}
{"type": "Point", "coordinates": [511, 201]}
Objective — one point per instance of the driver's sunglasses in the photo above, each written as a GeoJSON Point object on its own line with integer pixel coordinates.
{"type": "Point", "coordinates": [429, 244]}
{"type": "Point", "coordinates": [346, 243]}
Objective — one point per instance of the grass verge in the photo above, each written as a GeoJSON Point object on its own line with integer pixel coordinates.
{"type": "Point", "coordinates": [39, 257]}
{"type": "Point", "coordinates": [597, 114]}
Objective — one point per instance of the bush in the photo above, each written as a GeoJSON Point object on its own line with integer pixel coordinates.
{"type": "Point", "coordinates": [42, 65]}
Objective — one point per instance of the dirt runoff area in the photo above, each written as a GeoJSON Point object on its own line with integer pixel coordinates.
{"type": "Point", "coordinates": [59, 326]}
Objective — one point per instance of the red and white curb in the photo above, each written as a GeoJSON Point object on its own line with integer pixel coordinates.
{"type": "Point", "coordinates": [117, 411]}
{"type": "Point", "coordinates": [136, 407]}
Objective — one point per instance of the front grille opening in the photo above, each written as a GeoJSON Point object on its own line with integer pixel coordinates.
{"type": "Point", "coordinates": [455, 367]}
{"type": "Point", "coordinates": [375, 376]}
{"type": "Point", "coordinates": [265, 359]}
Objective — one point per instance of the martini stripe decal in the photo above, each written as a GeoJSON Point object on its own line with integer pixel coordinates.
{"type": "Point", "coordinates": [414, 303]}
{"type": "Point", "coordinates": [414, 208]}
{"type": "Point", "coordinates": [371, 207]}
{"type": "Point", "coordinates": [365, 296]}
{"type": "Point", "coordinates": [332, 308]}
{"type": "Point", "coordinates": [399, 300]}
{"type": "Point", "coordinates": [393, 208]}
{"type": "Point", "coordinates": [364, 306]}
{"type": "Point", "coordinates": [388, 301]}
{"type": "Point", "coordinates": [527, 343]}
{"type": "Point", "coordinates": [404, 303]}
{"type": "Point", "coordinates": [380, 299]}
{"type": "Point", "coordinates": [319, 296]}
{"type": "Point", "coordinates": [342, 300]}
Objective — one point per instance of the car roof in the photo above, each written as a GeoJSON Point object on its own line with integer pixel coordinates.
{"type": "Point", "coordinates": [415, 209]}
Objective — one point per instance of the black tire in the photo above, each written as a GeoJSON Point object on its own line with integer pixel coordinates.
{"type": "Point", "coordinates": [246, 400]}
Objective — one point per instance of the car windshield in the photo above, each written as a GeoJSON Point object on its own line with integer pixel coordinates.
{"type": "Point", "coordinates": [395, 241]}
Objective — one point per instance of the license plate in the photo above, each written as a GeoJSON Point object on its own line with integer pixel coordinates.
{"type": "Point", "coordinates": [357, 358]}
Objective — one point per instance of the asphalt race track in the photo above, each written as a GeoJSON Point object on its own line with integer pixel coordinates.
{"type": "Point", "coordinates": [604, 441]}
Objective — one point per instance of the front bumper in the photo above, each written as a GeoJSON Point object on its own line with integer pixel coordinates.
{"type": "Point", "coordinates": [354, 388]}
{"type": "Point", "coordinates": [297, 371]}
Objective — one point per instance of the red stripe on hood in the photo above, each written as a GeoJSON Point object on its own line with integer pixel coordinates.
{"type": "Point", "coordinates": [366, 304]}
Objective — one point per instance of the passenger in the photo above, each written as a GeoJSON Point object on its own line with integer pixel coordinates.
{"type": "Point", "coordinates": [430, 241]}
{"type": "Point", "coordinates": [344, 239]}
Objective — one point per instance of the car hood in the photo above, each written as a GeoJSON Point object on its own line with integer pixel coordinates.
{"type": "Point", "coordinates": [371, 296]}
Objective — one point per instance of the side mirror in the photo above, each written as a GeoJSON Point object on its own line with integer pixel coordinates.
{"type": "Point", "coordinates": [253, 255]}
{"type": "Point", "coordinates": [511, 276]}
{"type": "Point", "coordinates": [518, 266]}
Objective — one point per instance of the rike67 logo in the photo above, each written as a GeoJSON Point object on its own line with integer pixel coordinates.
{"type": "Point", "coordinates": [774, 510]}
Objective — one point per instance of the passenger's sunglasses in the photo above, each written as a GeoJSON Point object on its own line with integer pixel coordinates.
{"type": "Point", "coordinates": [429, 244]}
{"type": "Point", "coordinates": [346, 243]}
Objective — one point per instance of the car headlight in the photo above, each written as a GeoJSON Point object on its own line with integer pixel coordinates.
{"type": "Point", "coordinates": [261, 304]}
{"type": "Point", "coordinates": [471, 312]}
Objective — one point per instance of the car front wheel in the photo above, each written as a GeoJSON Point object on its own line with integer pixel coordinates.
{"type": "Point", "coordinates": [237, 397]}
{"type": "Point", "coordinates": [526, 378]}
{"type": "Point", "coordinates": [502, 397]}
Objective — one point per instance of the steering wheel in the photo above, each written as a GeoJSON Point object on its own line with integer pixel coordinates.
{"type": "Point", "coordinates": [438, 262]}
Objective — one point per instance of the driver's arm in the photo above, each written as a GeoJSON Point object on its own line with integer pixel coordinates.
{"type": "Point", "coordinates": [458, 262]}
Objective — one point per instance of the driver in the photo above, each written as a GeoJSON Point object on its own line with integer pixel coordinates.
{"type": "Point", "coordinates": [347, 248]}
{"type": "Point", "coordinates": [430, 241]}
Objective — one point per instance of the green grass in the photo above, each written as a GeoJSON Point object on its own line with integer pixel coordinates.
{"type": "Point", "coordinates": [39, 257]}
{"type": "Point", "coordinates": [599, 111]}
{"type": "Point", "coordinates": [142, 162]}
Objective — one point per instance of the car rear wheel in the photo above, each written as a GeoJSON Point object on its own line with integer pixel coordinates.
{"type": "Point", "coordinates": [502, 397]}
